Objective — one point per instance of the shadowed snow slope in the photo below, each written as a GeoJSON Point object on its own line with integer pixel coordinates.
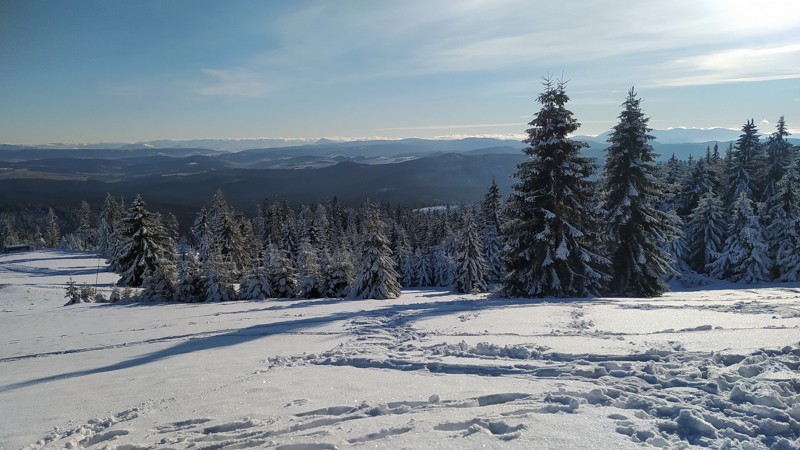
{"type": "Point", "coordinates": [715, 367]}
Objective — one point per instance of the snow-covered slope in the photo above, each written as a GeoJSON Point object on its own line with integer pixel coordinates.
{"type": "Point", "coordinates": [430, 369]}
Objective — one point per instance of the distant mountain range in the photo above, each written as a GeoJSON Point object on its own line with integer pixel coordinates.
{"type": "Point", "coordinates": [180, 176]}
{"type": "Point", "coordinates": [669, 136]}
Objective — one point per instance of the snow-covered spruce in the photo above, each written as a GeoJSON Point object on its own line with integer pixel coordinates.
{"type": "Point", "coordinates": [308, 269]}
{"type": "Point", "coordinates": [549, 241]}
{"type": "Point", "coordinates": [638, 231]}
{"type": "Point", "coordinates": [161, 283]}
{"type": "Point", "coordinates": [145, 244]}
{"type": "Point", "coordinates": [490, 232]}
{"type": "Point", "coordinates": [282, 272]}
{"type": "Point", "coordinates": [376, 275]}
{"type": "Point", "coordinates": [256, 284]}
{"type": "Point", "coordinates": [217, 285]}
{"type": "Point", "coordinates": [746, 255]}
{"type": "Point", "coordinates": [784, 226]}
{"type": "Point", "coordinates": [470, 270]}
{"type": "Point", "coordinates": [743, 165]}
{"type": "Point", "coordinates": [190, 277]}
{"type": "Point", "coordinates": [705, 233]}
{"type": "Point", "coordinates": [337, 273]}
{"type": "Point", "coordinates": [778, 159]}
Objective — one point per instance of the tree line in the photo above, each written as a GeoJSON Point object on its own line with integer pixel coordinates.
{"type": "Point", "coordinates": [569, 228]}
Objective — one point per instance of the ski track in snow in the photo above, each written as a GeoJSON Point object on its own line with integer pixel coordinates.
{"type": "Point", "coordinates": [537, 362]}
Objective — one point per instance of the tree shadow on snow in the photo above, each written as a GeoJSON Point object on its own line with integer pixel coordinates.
{"type": "Point", "coordinates": [202, 341]}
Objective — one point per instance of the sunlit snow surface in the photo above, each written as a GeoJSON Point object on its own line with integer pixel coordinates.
{"type": "Point", "coordinates": [711, 367]}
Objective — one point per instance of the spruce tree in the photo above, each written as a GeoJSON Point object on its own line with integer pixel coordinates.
{"type": "Point", "coordinates": [53, 231]}
{"type": "Point", "coordinates": [442, 266]}
{"type": "Point", "coordinates": [282, 273]}
{"type": "Point", "coordinates": [228, 240]}
{"type": "Point", "coordinates": [376, 275]}
{"type": "Point", "coordinates": [338, 272]}
{"type": "Point", "coordinates": [256, 284]}
{"type": "Point", "coordinates": [201, 236]}
{"type": "Point", "coordinates": [490, 232]}
{"type": "Point", "coordinates": [470, 270]}
{"type": "Point", "coordinates": [744, 164]}
{"type": "Point", "coordinates": [8, 235]}
{"type": "Point", "coordinates": [638, 231]}
{"type": "Point", "coordinates": [308, 270]}
{"type": "Point", "coordinates": [87, 233]}
{"type": "Point", "coordinates": [110, 218]}
{"type": "Point", "coordinates": [146, 244]}
{"type": "Point", "coordinates": [190, 278]}
{"type": "Point", "coordinates": [160, 283]}
{"type": "Point", "coordinates": [784, 226]}
{"type": "Point", "coordinates": [423, 268]}
{"type": "Point", "coordinates": [408, 269]}
{"type": "Point", "coordinates": [779, 157]}
{"type": "Point", "coordinates": [217, 286]}
{"type": "Point", "coordinates": [746, 246]}
{"type": "Point", "coordinates": [549, 250]}
{"type": "Point", "coordinates": [705, 232]}
{"type": "Point", "coordinates": [699, 182]}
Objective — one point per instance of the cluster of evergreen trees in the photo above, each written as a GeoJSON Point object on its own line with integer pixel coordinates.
{"type": "Point", "coordinates": [325, 250]}
{"type": "Point", "coordinates": [734, 218]}
{"type": "Point", "coordinates": [568, 229]}
{"type": "Point", "coordinates": [741, 212]}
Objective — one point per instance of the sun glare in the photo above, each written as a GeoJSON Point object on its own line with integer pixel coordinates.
{"type": "Point", "coordinates": [757, 17]}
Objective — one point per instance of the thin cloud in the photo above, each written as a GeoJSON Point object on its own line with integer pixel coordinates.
{"type": "Point", "coordinates": [235, 83]}
{"type": "Point", "coordinates": [738, 65]}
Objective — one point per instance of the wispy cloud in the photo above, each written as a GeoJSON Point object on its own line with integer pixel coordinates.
{"type": "Point", "coordinates": [736, 65]}
{"type": "Point", "coordinates": [235, 83]}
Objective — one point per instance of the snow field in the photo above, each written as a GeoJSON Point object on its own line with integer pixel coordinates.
{"type": "Point", "coordinates": [714, 367]}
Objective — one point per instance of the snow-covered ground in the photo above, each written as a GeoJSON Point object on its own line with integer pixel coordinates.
{"type": "Point", "coordinates": [711, 367]}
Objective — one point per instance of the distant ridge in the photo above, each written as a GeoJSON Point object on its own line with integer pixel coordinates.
{"type": "Point", "coordinates": [669, 136]}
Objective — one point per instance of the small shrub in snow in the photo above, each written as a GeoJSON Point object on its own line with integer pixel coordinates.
{"type": "Point", "coordinates": [115, 295]}
{"type": "Point", "coordinates": [73, 294]}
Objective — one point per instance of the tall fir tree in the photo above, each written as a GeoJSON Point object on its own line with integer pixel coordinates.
{"type": "Point", "coordinates": [53, 231]}
{"type": "Point", "coordinates": [470, 271]}
{"type": "Point", "coordinates": [699, 182]}
{"type": "Point", "coordinates": [376, 274]}
{"type": "Point", "coordinates": [282, 272]}
{"type": "Point", "coordinates": [87, 230]}
{"type": "Point", "coordinates": [705, 233]}
{"type": "Point", "coordinates": [746, 250]}
{"type": "Point", "coordinates": [638, 231]}
{"type": "Point", "coordinates": [549, 239]}
{"type": "Point", "coordinates": [423, 268]}
{"type": "Point", "coordinates": [110, 228]}
{"type": "Point", "coordinates": [337, 274]}
{"type": "Point", "coordinates": [784, 226]}
{"type": "Point", "coordinates": [190, 277]}
{"type": "Point", "coordinates": [146, 244]}
{"type": "Point", "coordinates": [490, 232]}
{"type": "Point", "coordinates": [308, 270]}
{"type": "Point", "coordinates": [201, 236]}
{"type": "Point", "coordinates": [256, 284]}
{"type": "Point", "coordinates": [160, 283]}
{"type": "Point", "coordinates": [744, 165]}
{"type": "Point", "coordinates": [8, 235]}
{"type": "Point", "coordinates": [779, 156]}
{"type": "Point", "coordinates": [217, 286]}
{"type": "Point", "coordinates": [227, 238]}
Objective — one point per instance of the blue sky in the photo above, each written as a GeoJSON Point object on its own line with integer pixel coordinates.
{"type": "Point", "coordinates": [114, 70]}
